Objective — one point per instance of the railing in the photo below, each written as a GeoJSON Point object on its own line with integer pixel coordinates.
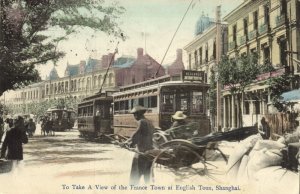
{"type": "Point", "coordinates": [263, 29]}
{"type": "Point", "coordinates": [232, 45]}
{"type": "Point", "coordinates": [252, 34]}
{"type": "Point", "coordinates": [274, 73]}
{"type": "Point", "coordinates": [280, 20]}
{"type": "Point", "coordinates": [243, 39]}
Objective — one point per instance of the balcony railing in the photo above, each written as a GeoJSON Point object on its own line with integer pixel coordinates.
{"type": "Point", "coordinates": [280, 20]}
{"type": "Point", "coordinates": [252, 34]}
{"type": "Point", "coordinates": [232, 45]}
{"type": "Point", "coordinates": [243, 40]}
{"type": "Point", "coordinates": [263, 29]}
{"type": "Point", "coordinates": [275, 73]}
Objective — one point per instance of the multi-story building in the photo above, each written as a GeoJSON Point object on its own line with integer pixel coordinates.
{"type": "Point", "coordinates": [87, 78]}
{"type": "Point", "coordinates": [271, 29]}
{"type": "Point", "coordinates": [204, 49]}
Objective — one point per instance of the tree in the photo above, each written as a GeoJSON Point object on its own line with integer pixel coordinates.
{"type": "Point", "coordinates": [279, 85]}
{"type": "Point", "coordinates": [237, 74]}
{"type": "Point", "coordinates": [26, 38]}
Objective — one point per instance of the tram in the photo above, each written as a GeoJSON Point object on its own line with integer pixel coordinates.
{"type": "Point", "coordinates": [163, 97]}
{"type": "Point", "coordinates": [63, 118]}
{"type": "Point", "coordinates": [95, 115]}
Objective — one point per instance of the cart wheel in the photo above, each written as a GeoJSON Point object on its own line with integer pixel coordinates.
{"type": "Point", "coordinates": [178, 159]}
{"type": "Point", "coordinates": [159, 139]}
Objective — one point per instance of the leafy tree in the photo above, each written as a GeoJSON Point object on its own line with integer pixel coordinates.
{"type": "Point", "coordinates": [41, 108]}
{"type": "Point", "coordinates": [27, 38]}
{"type": "Point", "coordinates": [4, 109]}
{"type": "Point", "coordinates": [279, 85]}
{"type": "Point", "coordinates": [237, 74]}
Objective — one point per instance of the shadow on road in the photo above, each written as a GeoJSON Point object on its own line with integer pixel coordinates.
{"type": "Point", "coordinates": [63, 150]}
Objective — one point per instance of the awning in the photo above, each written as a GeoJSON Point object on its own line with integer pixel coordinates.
{"type": "Point", "coordinates": [293, 95]}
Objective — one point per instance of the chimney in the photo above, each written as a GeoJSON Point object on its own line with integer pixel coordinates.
{"type": "Point", "coordinates": [82, 66]}
{"type": "Point", "coordinates": [179, 55]}
{"type": "Point", "coordinates": [104, 61]}
{"type": "Point", "coordinates": [110, 59]}
{"type": "Point", "coordinates": [140, 52]}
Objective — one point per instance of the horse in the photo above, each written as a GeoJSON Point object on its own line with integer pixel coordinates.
{"type": "Point", "coordinates": [47, 127]}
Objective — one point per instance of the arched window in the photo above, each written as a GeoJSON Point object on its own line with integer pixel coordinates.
{"type": "Point", "coordinates": [88, 84]}
{"type": "Point", "coordinates": [47, 89]}
{"type": "Point", "coordinates": [83, 84]}
{"type": "Point", "coordinates": [79, 84]}
{"type": "Point", "coordinates": [99, 80]}
{"type": "Point", "coordinates": [95, 81]}
{"type": "Point", "coordinates": [110, 79]}
{"type": "Point", "coordinates": [55, 88]}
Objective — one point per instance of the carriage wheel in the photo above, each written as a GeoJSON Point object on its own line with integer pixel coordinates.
{"type": "Point", "coordinates": [159, 139]}
{"type": "Point", "coordinates": [178, 164]}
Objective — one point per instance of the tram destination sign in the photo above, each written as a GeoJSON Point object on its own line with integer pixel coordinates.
{"type": "Point", "coordinates": [189, 75]}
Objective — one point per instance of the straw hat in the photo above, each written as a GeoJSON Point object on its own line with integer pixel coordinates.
{"type": "Point", "coordinates": [138, 109]}
{"type": "Point", "coordinates": [179, 115]}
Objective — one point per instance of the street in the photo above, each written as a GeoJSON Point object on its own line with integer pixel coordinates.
{"type": "Point", "coordinates": [65, 163]}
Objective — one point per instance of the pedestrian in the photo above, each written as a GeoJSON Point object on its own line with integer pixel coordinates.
{"type": "Point", "coordinates": [12, 148]}
{"type": "Point", "coordinates": [264, 128]}
{"type": "Point", "coordinates": [8, 123]}
{"type": "Point", "coordinates": [178, 119]}
{"type": "Point", "coordinates": [142, 138]}
{"type": "Point", "coordinates": [97, 121]}
{"type": "Point", "coordinates": [30, 127]}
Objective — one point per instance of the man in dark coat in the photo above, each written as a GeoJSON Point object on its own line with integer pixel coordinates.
{"type": "Point", "coordinates": [12, 148]}
{"type": "Point", "coordinates": [142, 138]}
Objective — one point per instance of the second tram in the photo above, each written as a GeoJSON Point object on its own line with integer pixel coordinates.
{"type": "Point", "coordinates": [95, 115]}
{"type": "Point", "coordinates": [62, 118]}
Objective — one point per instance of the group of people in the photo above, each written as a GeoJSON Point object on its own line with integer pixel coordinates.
{"type": "Point", "coordinates": [47, 125]}
{"type": "Point", "coordinates": [12, 140]}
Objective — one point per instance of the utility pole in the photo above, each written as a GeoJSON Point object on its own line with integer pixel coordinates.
{"type": "Point", "coordinates": [218, 59]}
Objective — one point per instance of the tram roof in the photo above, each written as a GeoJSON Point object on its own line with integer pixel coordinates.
{"type": "Point", "coordinates": [158, 85]}
{"type": "Point", "coordinates": [98, 96]}
{"type": "Point", "coordinates": [167, 79]}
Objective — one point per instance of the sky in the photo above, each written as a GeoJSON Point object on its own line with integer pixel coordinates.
{"type": "Point", "coordinates": [148, 24]}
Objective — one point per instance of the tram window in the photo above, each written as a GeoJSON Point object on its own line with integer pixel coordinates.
{"type": "Point", "coordinates": [152, 101]}
{"type": "Point", "coordinates": [129, 104]}
{"type": "Point", "coordinates": [135, 102]}
{"type": "Point", "coordinates": [167, 102]}
{"type": "Point", "coordinates": [182, 101]}
{"type": "Point", "coordinates": [197, 102]}
{"type": "Point", "coordinates": [65, 115]}
{"type": "Point", "coordinates": [90, 111]}
{"type": "Point", "coordinates": [183, 104]}
{"type": "Point", "coordinates": [72, 116]}
{"type": "Point", "coordinates": [126, 104]}
{"type": "Point", "coordinates": [122, 105]}
{"type": "Point", "coordinates": [141, 101]}
{"type": "Point", "coordinates": [117, 106]}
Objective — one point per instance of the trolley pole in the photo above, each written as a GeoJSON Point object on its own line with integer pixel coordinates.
{"type": "Point", "coordinates": [218, 59]}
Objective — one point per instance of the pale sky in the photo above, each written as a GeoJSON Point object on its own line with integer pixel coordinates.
{"type": "Point", "coordinates": [159, 19]}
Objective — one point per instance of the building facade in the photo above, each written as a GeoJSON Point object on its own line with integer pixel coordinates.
{"type": "Point", "coordinates": [269, 28]}
{"type": "Point", "coordinates": [88, 77]}
{"type": "Point", "coordinates": [204, 52]}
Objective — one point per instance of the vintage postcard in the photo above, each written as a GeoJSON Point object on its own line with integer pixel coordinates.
{"type": "Point", "coordinates": [149, 96]}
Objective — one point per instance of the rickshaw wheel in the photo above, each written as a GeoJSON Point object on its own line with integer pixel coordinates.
{"type": "Point", "coordinates": [159, 139]}
{"type": "Point", "coordinates": [182, 159]}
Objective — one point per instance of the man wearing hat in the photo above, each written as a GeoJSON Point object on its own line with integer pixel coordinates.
{"type": "Point", "coordinates": [178, 119]}
{"type": "Point", "coordinates": [142, 138]}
